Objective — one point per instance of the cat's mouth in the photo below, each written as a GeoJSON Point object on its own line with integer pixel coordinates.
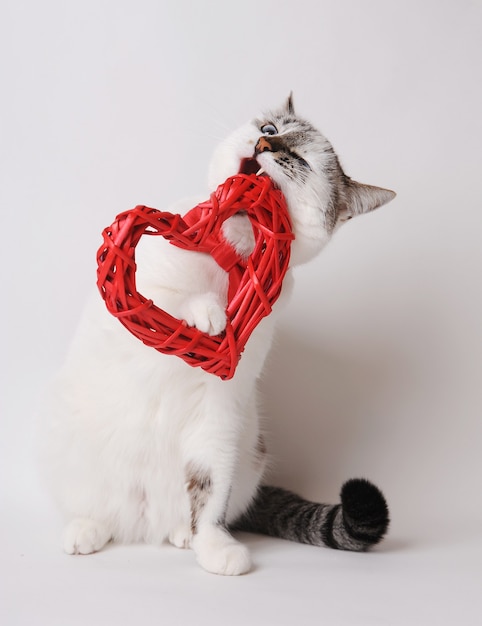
{"type": "Point", "coordinates": [251, 166]}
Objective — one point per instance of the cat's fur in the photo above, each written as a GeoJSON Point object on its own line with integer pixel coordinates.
{"type": "Point", "coordinates": [140, 447]}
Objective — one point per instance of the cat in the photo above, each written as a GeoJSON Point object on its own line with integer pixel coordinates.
{"type": "Point", "coordinates": [138, 446]}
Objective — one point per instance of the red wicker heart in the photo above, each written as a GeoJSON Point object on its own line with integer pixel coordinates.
{"type": "Point", "coordinates": [254, 283]}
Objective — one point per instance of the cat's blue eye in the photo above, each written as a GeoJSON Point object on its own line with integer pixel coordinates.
{"type": "Point", "coordinates": [269, 129]}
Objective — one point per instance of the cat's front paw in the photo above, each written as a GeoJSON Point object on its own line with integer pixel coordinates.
{"type": "Point", "coordinates": [180, 536]}
{"type": "Point", "coordinates": [85, 536]}
{"type": "Point", "coordinates": [206, 312]}
{"type": "Point", "coordinates": [239, 232]}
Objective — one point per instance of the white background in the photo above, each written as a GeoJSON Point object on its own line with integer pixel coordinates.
{"type": "Point", "coordinates": [106, 104]}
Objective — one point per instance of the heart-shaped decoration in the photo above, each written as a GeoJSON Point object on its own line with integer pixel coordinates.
{"type": "Point", "coordinates": [254, 283]}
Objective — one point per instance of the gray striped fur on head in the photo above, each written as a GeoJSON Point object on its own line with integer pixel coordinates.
{"type": "Point", "coordinates": [297, 147]}
{"type": "Point", "coordinates": [359, 522]}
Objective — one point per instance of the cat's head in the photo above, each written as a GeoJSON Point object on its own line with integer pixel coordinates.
{"type": "Point", "coordinates": [302, 162]}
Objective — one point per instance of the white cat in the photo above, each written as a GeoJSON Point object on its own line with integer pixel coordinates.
{"type": "Point", "coordinates": [139, 446]}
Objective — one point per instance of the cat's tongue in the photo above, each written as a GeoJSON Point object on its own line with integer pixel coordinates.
{"type": "Point", "coordinates": [251, 166]}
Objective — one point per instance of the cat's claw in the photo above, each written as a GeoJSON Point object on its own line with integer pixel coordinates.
{"type": "Point", "coordinates": [205, 312]}
{"type": "Point", "coordinates": [85, 536]}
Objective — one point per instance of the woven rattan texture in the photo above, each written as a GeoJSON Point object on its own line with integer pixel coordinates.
{"type": "Point", "coordinates": [254, 282]}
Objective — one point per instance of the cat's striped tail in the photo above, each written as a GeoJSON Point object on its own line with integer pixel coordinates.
{"type": "Point", "coordinates": [359, 522]}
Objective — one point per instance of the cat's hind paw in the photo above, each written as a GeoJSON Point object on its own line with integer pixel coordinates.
{"type": "Point", "coordinates": [217, 552]}
{"type": "Point", "coordinates": [85, 536]}
{"type": "Point", "coordinates": [206, 312]}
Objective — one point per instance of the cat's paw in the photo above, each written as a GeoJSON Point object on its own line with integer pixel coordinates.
{"type": "Point", "coordinates": [239, 232]}
{"type": "Point", "coordinates": [217, 552]}
{"type": "Point", "coordinates": [180, 536]}
{"type": "Point", "coordinates": [206, 312]}
{"type": "Point", "coordinates": [85, 536]}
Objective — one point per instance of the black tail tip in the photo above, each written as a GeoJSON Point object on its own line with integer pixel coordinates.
{"type": "Point", "coordinates": [365, 509]}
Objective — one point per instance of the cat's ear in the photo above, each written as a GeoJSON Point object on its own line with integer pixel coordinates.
{"type": "Point", "coordinates": [359, 198]}
{"type": "Point", "coordinates": [289, 106]}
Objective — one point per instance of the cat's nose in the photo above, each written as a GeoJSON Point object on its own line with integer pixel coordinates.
{"type": "Point", "coordinates": [263, 145]}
